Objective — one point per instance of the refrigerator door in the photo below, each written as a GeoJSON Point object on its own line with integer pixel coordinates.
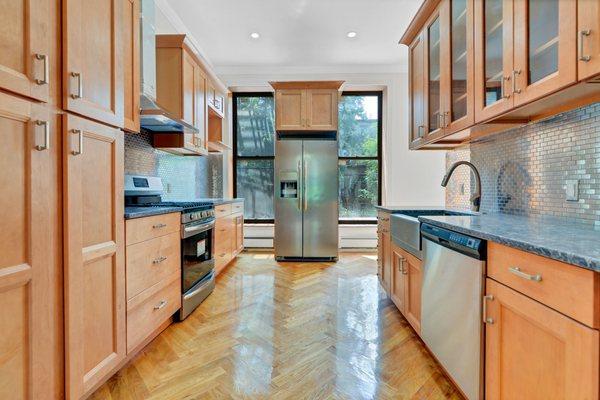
{"type": "Point", "coordinates": [320, 203]}
{"type": "Point", "coordinates": [288, 207]}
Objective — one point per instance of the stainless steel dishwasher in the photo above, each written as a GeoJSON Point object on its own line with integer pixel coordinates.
{"type": "Point", "coordinates": [451, 301]}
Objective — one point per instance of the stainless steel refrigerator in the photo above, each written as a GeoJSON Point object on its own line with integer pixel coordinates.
{"type": "Point", "coordinates": [306, 199]}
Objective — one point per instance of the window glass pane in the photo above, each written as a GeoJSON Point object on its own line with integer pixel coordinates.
{"type": "Point", "coordinates": [255, 185]}
{"type": "Point", "coordinates": [359, 181]}
{"type": "Point", "coordinates": [358, 121]}
{"type": "Point", "coordinates": [255, 126]}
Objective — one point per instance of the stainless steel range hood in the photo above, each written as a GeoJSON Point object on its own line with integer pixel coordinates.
{"type": "Point", "coordinates": [152, 116]}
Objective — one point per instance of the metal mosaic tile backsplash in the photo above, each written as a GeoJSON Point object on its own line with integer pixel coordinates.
{"type": "Point", "coordinates": [525, 170]}
{"type": "Point", "coordinates": [183, 177]}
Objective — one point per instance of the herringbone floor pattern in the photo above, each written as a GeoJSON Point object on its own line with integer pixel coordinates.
{"type": "Point", "coordinates": [287, 331]}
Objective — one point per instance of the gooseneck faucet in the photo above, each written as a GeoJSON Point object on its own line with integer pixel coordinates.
{"type": "Point", "coordinates": [476, 197]}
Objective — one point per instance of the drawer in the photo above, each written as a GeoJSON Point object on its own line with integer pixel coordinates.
{"type": "Point", "coordinates": [383, 220]}
{"type": "Point", "coordinates": [222, 210]}
{"type": "Point", "coordinates": [221, 261]}
{"type": "Point", "coordinates": [140, 229]}
{"type": "Point", "coordinates": [152, 261]}
{"type": "Point", "coordinates": [570, 290]}
{"type": "Point", "coordinates": [147, 311]}
{"type": "Point", "coordinates": [237, 207]}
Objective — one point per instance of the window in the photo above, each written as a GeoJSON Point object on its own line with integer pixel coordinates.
{"type": "Point", "coordinates": [359, 155]}
{"type": "Point", "coordinates": [359, 138]}
{"type": "Point", "coordinates": [254, 154]}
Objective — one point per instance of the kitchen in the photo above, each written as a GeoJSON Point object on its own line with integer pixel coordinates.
{"type": "Point", "coordinates": [261, 201]}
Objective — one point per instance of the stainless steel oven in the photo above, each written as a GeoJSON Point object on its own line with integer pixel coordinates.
{"type": "Point", "coordinates": [197, 263]}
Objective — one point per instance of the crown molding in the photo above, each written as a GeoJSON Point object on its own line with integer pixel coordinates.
{"type": "Point", "coordinates": [315, 69]}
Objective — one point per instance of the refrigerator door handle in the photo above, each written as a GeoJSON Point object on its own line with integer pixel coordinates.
{"type": "Point", "coordinates": [299, 190]}
{"type": "Point", "coordinates": [304, 186]}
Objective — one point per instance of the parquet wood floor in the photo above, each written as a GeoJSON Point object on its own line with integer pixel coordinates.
{"type": "Point", "coordinates": [287, 331]}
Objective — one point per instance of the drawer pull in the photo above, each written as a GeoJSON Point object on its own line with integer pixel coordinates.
{"type": "Point", "coordinates": [582, 35]}
{"type": "Point", "coordinates": [517, 271]}
{"type": "Point", "coordinates": [222, 255]}
{"type": "Point", "coordinates": [487, 320]}
{"type": "Point", "coordinates": [159, 260]}
{"type": "Point", "coordinates": [158, 226]}
{"type": "Point", "coordinates": [46, 79]}
{"type": "Point", "coordinates": [160, 305]}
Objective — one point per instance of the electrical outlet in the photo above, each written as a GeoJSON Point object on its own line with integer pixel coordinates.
{"type": "Point", "coordinates": [572, 190]}
{"type": "Point", "coordinates": [462, 188]}
{"type": "Point", "coordinates": [168, 188]}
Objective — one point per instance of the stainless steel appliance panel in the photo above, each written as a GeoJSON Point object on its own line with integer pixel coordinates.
{"type": "Point", "coordinates": [451, 323]}
{"type": "Point", "coordinates": [288, 210]}
{"type": "Point", "coordinates": [320, 198]}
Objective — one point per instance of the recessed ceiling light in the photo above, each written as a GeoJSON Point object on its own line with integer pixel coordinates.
{"type": "Point", "coordinates": [351, 34]}
{"type": "Point", "coordinates": [255, 35]}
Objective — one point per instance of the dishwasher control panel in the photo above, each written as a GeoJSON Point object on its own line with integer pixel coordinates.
{"type": "Point", "coordinates": [458, 241]}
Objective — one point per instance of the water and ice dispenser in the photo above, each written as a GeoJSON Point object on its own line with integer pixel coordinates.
{"type": "Point", "coordinates": [288, 185]}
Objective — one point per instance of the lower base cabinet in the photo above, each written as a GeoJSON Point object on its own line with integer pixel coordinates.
{"type": "Point", "coordinates": [534, 352]}
{"type": "Point", "coordinates": [229, 234]}
{"type": "Point", "coordinates": [405, 290]}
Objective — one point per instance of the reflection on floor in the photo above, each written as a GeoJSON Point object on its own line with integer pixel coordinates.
{"type": "Point", "coordinates": [287, 331]}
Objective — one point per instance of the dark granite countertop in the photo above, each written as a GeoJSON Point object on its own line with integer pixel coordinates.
{"type": "Point", "coordinates": [139, 212]}
{"type": "Point", "coordinates": [219, 201]}
{"type": "Point", "coordinates": [551, 237]}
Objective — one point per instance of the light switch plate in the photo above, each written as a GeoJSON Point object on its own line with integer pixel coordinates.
{"type": "Point", "coordinates": [572, 190]}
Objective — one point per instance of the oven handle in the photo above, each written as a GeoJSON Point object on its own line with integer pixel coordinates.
{"type": "Point", "coordinates": [201, 286]}
{"type": "Point", "coordinates": [195, 229]}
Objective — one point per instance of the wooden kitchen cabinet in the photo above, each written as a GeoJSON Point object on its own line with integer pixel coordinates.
{"type": "Point", "coordinates": [216, 100]}
{"type": "Point", "coordinates": [417, 89]}
{"type": "Point", "coordinates": [130, 41]}
{"type": "Point", "coordinates": [229, 234]}
{"type": "Point", "coordinates": [545, 51]}
{"type": "Point", "coordinates": [238, 246]}
{"type": "Point", "coordinates": [384, 251]}
{"type": "Point", "coordinates": [31, 317]}
{"type": "Point", "coordinates": [398, 272]}
{"type": "Point", "coordinates": [406, 285]}
{"type": "Point", "coordinates": [306, 106]}
{"type": "Point", "coordinates": [26, 48]}
{"type": "Point", "coordinates": [534, 352]}
{"type": "Point", "coordinates": [181, 90]}
{"type": "Point", "coordinates": [93, 84]}
{"type": "Point", "coordinates": [94, 283]}
{"type": "Point", "coordinates": [588, 36]}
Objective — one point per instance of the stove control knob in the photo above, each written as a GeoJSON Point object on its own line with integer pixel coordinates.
{"type": "Point", "coordinates": [192, 216]}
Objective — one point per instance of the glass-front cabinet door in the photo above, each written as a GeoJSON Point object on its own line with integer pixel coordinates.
{"type": "Point", "coordinates": [457, 31]}
{"type": "Point", "coordinates": [493, 57]}
{"type": "Point", "coordinates": [416, 89]}
{"type": "Point", "coordinates": [544, 47]}
{"type": "Point", "coordinates": [433, 67]}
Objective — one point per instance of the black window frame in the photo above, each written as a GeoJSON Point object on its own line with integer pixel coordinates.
{"type": "Point", "coordinates": [378, 158]}
{"type": "Point", "coordinates": [234, 98]}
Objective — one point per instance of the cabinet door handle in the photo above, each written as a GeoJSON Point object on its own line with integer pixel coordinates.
{"type": "Point", "coordinates": [446, 123]}
{"type": "Point", "coordinates": [517, 271]}
{"type": "Point", "coordinates": [160, 305]}
{"type": "Point", "coordinates": [487, 320]}
{"type": "Point", "coordinates": [159, 260]}
{"type": "Point", "coordinates": [582, 35]}
{"type": "Point", "coordinates": [419, 128]}
{"type": "Point", "coordinates": [514, 81]}
{"type": "Point", "coordinates": [46, 145]}
{"type": "Point", "coordinates": [79, 93]}
{"type": "Point", "coordinates": [79, 150]}
{"type": "Point", "coordinates": [46, 79]}
{"type": "Point", "coordinates": [158, 226]}
{"type": "Point", "coordinates": [440, 122]}
{"type": "Point", "coordinates": [502, 91]}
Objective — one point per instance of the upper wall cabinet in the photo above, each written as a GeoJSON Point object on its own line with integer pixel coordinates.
{"type": "Point", "coordinates": [306, 106]}
{"type": "Point", "coordinates": [441, 72]}
{"type": "Point", "coordinates": [92, 58]}
{"type": "Point", "coordinates": [481, 66]}
{"type": "Point", "coordinates": [588, 32]}
{"type": "Point", "coordinates": [25, 56]}
{"type": "Point", "coordinates": [131, 64]}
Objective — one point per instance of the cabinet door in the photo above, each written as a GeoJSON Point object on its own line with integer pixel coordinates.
{"type": "Point", "coordinates": [94, 255]}
{"type": "Point", "coordinates": [457, 31]}
{"type": "Point", "coordinates": [433, 78]}
{"type": "Point", "coordinates": [533, 352]}
{"type": "Point", "coordinates": [188, 82]}
{"type": "Point", "coordinates": [398, 277]}
{"type": "Point", "coordinates": [387, 261]}
{"type": "Point", "coordinates": [93, 65]}
{"type": "Point", "coordinates": [588, 29]}
{"type": "Point", "coordinates": [25, 36]}
{"type": "Point", "coordinates": [413, 281]}
{"type": "Point", "coordinates": [200, 118]}
{"type": "Point", "coordinates": [417, 87]}
{"type": "Point", "coordinates": [239, 233]}
{"type": "Point", "coordinates": [322, 109]}
{"type": "Point", "coordinates": [544, 47]}
{"type": "Point", "coordinates": [130, 40]}
{"type": "Point", "coordinates": [290, 112]}
{"type": "Point", "coordinates": [30, 266]}
{"type": "Point", "coordinates": [493, 58]}
{"type": "Point", "coordinates": [380, 245]}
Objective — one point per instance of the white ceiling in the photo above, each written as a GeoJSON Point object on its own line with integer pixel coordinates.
{"type": "Point", "coordinates": [298, 33]}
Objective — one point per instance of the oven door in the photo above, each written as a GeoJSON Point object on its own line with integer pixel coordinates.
{"type": "Point", "coordinates": [196, 253]}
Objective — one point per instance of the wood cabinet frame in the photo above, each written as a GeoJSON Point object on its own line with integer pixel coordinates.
{"type": "Point", "coordinates": [131, 72]}
{"type": "Point", "coordinates": [588, 37]}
